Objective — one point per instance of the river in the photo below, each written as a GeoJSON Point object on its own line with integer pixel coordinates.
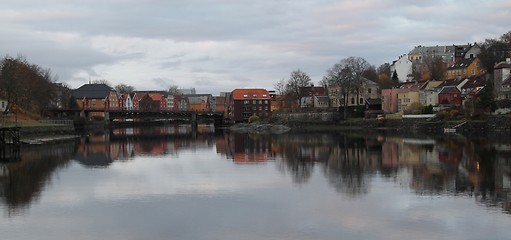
{"type": "Point", "coordinates": [173, 182]}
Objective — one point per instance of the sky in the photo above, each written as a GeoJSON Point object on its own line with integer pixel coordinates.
{"type": "Point", "coordinates": [219, 45]}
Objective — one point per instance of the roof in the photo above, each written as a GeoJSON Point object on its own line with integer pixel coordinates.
{"type": "Point", "coordinates": [503, 65]}
{"type": "Point", "coordinates": [413, 85]}
{"type": "Point", "coordinates": [373, 101]}
{"type": "Point", "coordinates": [461, 64]}
{"type": "Point", "coordinates": [323, 98]}
{"type": "Point", "coordinates": [473, 83]}
{"type": "Point", "coordinates": [92, 91]}
{"type": "Point", "coordinates": [507, 82]}
{"type": "Point", "coordinates": [314, 91]}
{"type": "Point", "coordinates": [254, 93]}
{"type": "Point", "coordinates": [156, 96]}
{"type": "Point", "coordinates": [449, 89]}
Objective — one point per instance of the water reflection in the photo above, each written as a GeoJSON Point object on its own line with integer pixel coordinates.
{"type": "Point", "coordinates": [23, 181]}
{"type": "Point", "coordinates": [428, 166]}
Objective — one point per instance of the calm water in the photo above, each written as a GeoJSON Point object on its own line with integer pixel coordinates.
{"type": "Point", "coordinates": [172, 183]}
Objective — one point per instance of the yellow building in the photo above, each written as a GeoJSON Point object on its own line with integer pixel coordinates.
{"type": "Point", "coordinates": [405, 99]}
{"type": "Point", "coordinates": [464, 68]}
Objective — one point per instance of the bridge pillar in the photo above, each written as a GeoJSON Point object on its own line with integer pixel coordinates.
{"type": "Point", "coordinates": [193, 119]}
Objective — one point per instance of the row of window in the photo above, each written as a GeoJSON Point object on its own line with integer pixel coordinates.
{"type": "Point", "coordinates": [255, 95]}
{"type": "Point", "coordinates": [245, 109]}
{"type": "Point", "coordinates": [255, 102]}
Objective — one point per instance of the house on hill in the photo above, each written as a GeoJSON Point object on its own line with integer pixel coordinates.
{"type": "Point", "coordinates": [449, 96]}
{"type": "Point", "coordinates": [464, 68]}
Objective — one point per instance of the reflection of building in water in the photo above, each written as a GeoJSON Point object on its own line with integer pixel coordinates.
{"type": "Point", "coordinates": [104, 148]}
{"type": "Point", "coordinates": [243, 148]}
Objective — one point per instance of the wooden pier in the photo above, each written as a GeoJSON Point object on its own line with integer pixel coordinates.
{"type": "Point", "coordinates": [10, 143]}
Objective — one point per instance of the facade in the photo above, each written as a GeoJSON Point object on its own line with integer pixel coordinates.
{"type": "Point", "coordinates": [390, 97]}
{"type": "Point", "coordinates": [405, 99]}
{"type": "Point", "coordinates": [502, 71]}
{"type": "Point", "coordinates": [450, 96]}
{"type": "Point", "coordinates": [429, 93]}
{"type": "Point", "coordinates": [200, 102]}
{"type": "Point", "coordinates": [249, 102]}
{"type": "Point", "coordinates": [3, 105]}
{"type": "Point", "coordinates": [157, 97]}
{"type": "Point", "coordinates": [220, 102]}
{"type": "Point", "coordinates": [96, 97]}
{"type": "Point", "coordinates": [125, 102]}
{"type": "Point", "coordinates": [403, 68]}
{"type": "Point", "coordinates": [464, 68]}
{"type": "Point", "coordinates": [369, 90]}
{"type": "Point", "coordinates": [147, 103]}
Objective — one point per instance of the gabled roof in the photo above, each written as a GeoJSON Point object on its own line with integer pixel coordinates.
{"type": "Point", "coordinates": [373, 101]}
{"type": "Point", "coordinates": [449, 89]}
{"type": "Point", "coordinates": [413, 85]}
{"type": "Point", "coordinates": [322, 98]}
{"type": "Point", "coordinates": [503, 65]}
{"type": "Point", "coordinates": [253, 93]}
{"type": "Point", "coordinates": [156, 96]}
{"type": "Point", "coordinates": [473, 83]}
{"type": "Point", "coordinates": [92, 91]}
{"type": "Point", "coordinates": [461, 64]}
{"type": "Point", "coordinates": [507, 82]}
{"type": "Point", "coordinates": [314, 91]}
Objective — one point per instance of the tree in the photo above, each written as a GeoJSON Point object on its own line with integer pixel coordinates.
{"type": "Point", "coordinates": [173, 90]}
{"type": "Point", "coordinates": [26, 86]}
{"type": "Point", "coordinates": [347, 75]}
{"type": "Point", "coordinates": [101, 81]}
{"type": "Point", "coordinates": [295, 84]}
{"type": "Point", "coordinates": [395, 77]}
{"type": "Point", "coordinates": [123, 88]}
{"type": "Point", "coordinates": [371, 74]}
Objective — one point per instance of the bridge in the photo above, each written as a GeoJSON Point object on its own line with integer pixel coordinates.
{"type": "Point", "coordinates": [146, 115]}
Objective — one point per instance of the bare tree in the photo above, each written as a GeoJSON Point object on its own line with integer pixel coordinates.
{"type": "Point", "coordinates": [101, 81]}
{"type": "Point", "coordinates": [295, 84]}
{"type": "Point", "coordinates": [123, 88]}
{"type": "Point", "coordinates": [347, 75]}
{"type": "Point", "coordinates": [173, 90]}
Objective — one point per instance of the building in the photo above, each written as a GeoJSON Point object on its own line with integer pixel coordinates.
{"type": "Point", "coordinates": [249, 102]}
{"type": "Point", "coordinates": [502, 71]}
{"type": "Point", "coordinates": [368, 90]}
{"type": "Point", "coordinates": [449, 96]}
{"type": "Point", "coordinates": [402, 67]}
{"type": "Point", "coordinates": [96, 97]}
{"type": "Point", "coordinates": [391, 97]}
{"type": "Point", "coordinates": [464, 68]}
{"type": "Point", "coordinates": [3, 105]}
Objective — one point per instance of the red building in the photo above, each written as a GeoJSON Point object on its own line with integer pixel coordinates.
{"type": "Point", "coordinates": [249, 102]}
{"type": "Point", "coordinates": [450, 95]}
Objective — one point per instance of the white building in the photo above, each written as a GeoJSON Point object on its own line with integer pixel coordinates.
{"type": "Point", "coordinates": [3, 105]}
{"type": "Point", "coordinates": [403, 67]}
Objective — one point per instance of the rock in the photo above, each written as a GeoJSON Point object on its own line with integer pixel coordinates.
{"type": "Point", "coordinates": [260, 128]}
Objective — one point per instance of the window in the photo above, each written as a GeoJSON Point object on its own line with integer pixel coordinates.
{"type": "Point", "coordinates": [473, 72]}
{"type": "Point", "coordinates": [265, 101]}
{"type": "Point", "coordinates": [360, 101]}
{"type": "Point", "coordinates": [254, 102]}
{"type": "Point", "coordinates": [254, 95]}
{"type": "Point", "coordinates": [265, 95]}
{"type": "Point", "coordinates": [260, 101]}
{"type": "Point", "coordinates": [245, 95]}
{"type": "Point", "coordinates": [352, 100]}
{"type": "Point", "coordinates": [246, 102]}
{"type": "Point", "coordinates": [369, 90]}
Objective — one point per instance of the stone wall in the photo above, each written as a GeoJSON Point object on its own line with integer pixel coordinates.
{"type": "Point", "coordinates": [306, 117]}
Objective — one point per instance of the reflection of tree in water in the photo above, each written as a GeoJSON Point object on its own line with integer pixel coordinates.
{"type": "Point", "coordinates": [26, 179]}
{"type": "Point", "coordinates": [300, 152]}
{"type": "Point", "coordinates": [348, 167]}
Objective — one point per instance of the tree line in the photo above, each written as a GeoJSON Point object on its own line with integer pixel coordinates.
{"type": "Point", "coordinates": [27, 87]}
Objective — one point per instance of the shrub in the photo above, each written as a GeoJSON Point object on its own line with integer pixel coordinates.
{"type": "Point", "coordinates": [253, 119]}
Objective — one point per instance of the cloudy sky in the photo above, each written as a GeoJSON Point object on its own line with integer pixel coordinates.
{"type": "Point", "coordinates": [219, 45]}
